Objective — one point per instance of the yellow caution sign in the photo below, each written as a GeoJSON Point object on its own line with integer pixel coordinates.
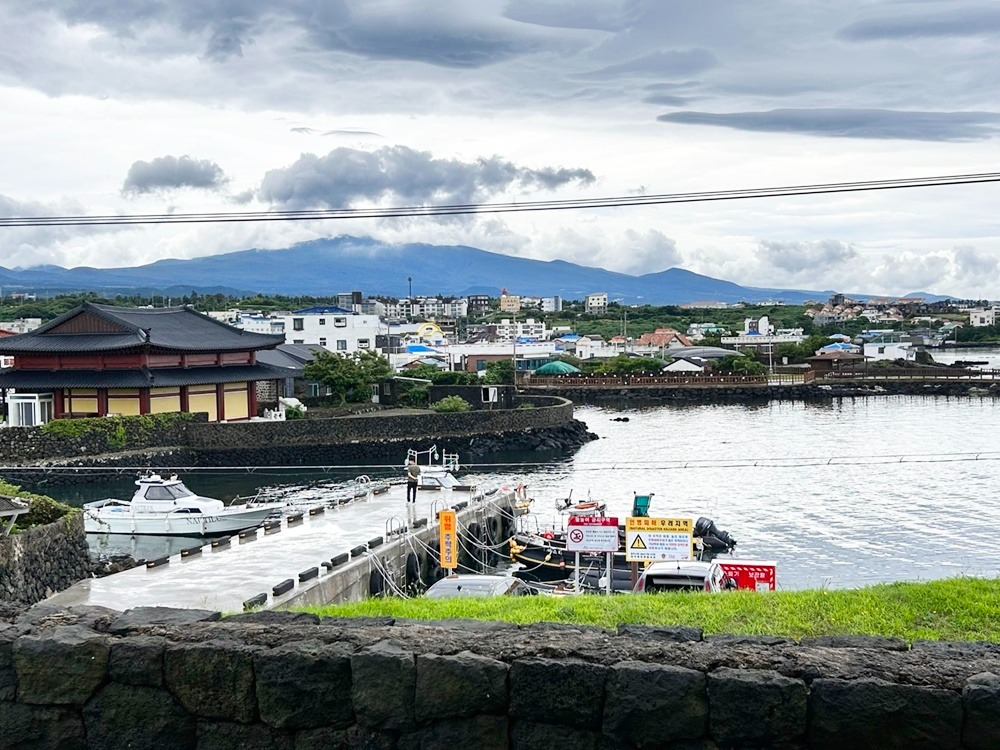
{"type": "Point", "coordinates": [448, 541]}
{"type": "Point", "coordinates": [654, 539]}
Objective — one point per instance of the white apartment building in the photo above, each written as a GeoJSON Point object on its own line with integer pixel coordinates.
{"type": "Point", "coordinates": [551, 304]}
{"type": "Point", "coordinates": [426, 307]}
{"type": "Point", "coordinates": [333, 328]}
{"type": "Point", "coordinates": [508, 330]}
{"type": "Point", "coordinates": [760, 332]}
{"type": "Point", "coordinates": [980, 318]}
{"type": "Point", "coordinates": [596, 304]}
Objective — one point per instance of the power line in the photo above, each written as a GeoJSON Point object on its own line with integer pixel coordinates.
{"type": "Point", "coordinates": [697, 463]}
{"type": "Point", "coordinates": [619, 201]}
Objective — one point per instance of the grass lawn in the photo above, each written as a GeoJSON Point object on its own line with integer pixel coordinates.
{"type": "Point", "coordinates": [958, 609]}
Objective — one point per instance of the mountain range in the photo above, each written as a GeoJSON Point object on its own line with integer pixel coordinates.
{"type": "Point", "coordinates": [328, 266]}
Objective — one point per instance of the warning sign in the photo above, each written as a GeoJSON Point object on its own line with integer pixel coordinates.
{"type": "Point", "coordinates": [448, 541]}
{"type": "Point", "coordinates": [654, 539]}
{"type": "Point", "coordinates": [592, 534]}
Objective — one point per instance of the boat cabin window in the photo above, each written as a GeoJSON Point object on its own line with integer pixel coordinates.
{"type": "Point", "coordinates": [168, 492]}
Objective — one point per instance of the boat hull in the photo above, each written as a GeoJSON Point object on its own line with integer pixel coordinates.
{"type": "Point", "coordinates": [123, 521]}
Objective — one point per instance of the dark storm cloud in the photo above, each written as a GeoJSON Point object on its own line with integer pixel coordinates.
{"type": "Point", "coordinates": [347, 175]}
{"type": "Point", "coordinates": [663, 63]}
{"type": "Point", "coordinates": [170, 172]}
{"type": "Point", "coordinates": [972, 21]}
{"type": "Point", "coordinates": [853, 123]}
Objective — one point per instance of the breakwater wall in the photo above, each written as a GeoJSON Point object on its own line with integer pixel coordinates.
{"type": "Point", "coordinates": [166, 679]}
{"type": "Point", "coordinates": [378, 437]}
{"type": "Point", "coordinates": [40, 561]}
{"type": "Point", "coordinates": [746, 393]}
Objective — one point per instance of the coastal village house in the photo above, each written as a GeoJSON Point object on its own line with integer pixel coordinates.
{"type": "Point", "coordinates": [97, 360]}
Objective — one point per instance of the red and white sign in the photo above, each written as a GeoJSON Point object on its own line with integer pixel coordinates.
{"type": "Point", "coordinates": [592, 534]}
{"type": "Point", "coordinates": [752, 575]}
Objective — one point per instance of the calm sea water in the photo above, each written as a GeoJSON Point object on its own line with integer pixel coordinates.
{"type": "Point", "coordinates": [840, 494]}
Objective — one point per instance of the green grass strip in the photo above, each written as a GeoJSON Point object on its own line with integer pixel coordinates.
{"type": "Point", "coordinates": [958, 609]}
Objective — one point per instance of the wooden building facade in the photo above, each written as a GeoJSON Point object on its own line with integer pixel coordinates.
{"type": "Point", "coordinates": [98, 360]}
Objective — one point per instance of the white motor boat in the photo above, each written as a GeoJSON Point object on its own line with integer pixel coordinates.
{"type": "Point", "coordinates": [163, 506]}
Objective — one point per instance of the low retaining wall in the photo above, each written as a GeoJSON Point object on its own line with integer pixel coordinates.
{"type": "Point", "coordinates": [165, 679]}
{"type": "Point", "coordinates": [40, 561]}
{"type": "Point", "coordinates": [353, 440]}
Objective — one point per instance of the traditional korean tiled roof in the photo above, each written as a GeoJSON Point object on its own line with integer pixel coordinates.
{"type": "Point", "coordinates": [11, 505]}
{"type": "Point", "coordinates": [138, 378]}
{"type": "Point", "coordinates": [103, 328]}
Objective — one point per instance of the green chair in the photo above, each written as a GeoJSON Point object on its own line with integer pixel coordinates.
{"type": "Point", "coordinates": [640, 504]}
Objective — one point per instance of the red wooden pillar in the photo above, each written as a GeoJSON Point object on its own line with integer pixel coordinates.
{"type": "Point", "coordinates": [185, 405]}
{"type": "Point", "coordinates": [252, 398]}
{"type": "Point", "coordinates": [58, 403]}
{"type": "Point", "coordinates": [220, 401]}
{"type": "Point", "coordinates": [144, 400]}
{"type": "Point", "coordinates": [102, 401]}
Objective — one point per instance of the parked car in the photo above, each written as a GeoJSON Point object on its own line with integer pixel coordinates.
{"type": "Point", "coordinates": [673, 575]}
{"type": "Point", "coordinates": [478, 586]}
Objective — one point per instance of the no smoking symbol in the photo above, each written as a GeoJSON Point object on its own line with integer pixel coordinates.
{"type": "Point", "coordinates": [576, 536]}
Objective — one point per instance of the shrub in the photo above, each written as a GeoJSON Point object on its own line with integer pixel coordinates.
{"type": "Point", "coordinates": [294, 412]}
{"type": "Point", "coordinates": [44, 509]}
{"type": "Point", "coordinates": [116, 431]}
{"type": "Point", "coordinates": [451, 404]}
{"type": "Point", "coordinates": [525, 405]}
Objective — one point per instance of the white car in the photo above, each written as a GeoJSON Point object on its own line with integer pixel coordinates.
{"type": "Point", "coordinates": [473, 585]}
{"type": "Point", "coordinates": [673, 575]}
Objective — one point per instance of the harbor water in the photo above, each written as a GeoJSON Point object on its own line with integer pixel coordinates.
{"type": "Point", "coordinates": [844, 493]}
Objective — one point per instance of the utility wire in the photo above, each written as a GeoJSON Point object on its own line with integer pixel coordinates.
{"type": "Point", "coordinates": [619, 201]}
{"type": "Point", "coordinates": [695, 463]}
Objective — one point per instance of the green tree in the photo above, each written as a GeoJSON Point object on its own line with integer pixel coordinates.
{"type": "Point", "coordinates": [737, 364]}
{"type": "Point", "coordinates": [500, 372]}
{"type": "Point", "coordinates": [346, 374]}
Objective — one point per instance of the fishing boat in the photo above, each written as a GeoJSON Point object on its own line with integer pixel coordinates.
{"type": "Point", "coordinates": [544, 558]}
{"type": "Point", "coordinates": [163, 506]}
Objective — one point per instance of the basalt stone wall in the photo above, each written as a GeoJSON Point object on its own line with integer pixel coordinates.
{"type": "Point", "coordinates": [30, 444]}
{"type": "Point", "coordinates": [741, 394]}
{"type": "Point", "coordinates": [41, 561]}
{"type": "Point", "coordinates": [373, 428]}
{"type": "Point", "coordinates": [166, 679]}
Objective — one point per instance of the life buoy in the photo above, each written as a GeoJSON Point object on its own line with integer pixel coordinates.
{"type": "Point", "coordinates": [548, 535]}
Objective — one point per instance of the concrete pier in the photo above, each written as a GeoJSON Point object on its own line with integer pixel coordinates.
{"type": "Point", "coordinates": [328, 554]}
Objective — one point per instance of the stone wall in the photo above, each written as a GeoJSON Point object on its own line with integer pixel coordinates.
{"type": "Point", "coordinates": [43, 560]}
{"type": "Point", "coordinates": [374, 437]}
{"type": "Point", "coordinates": [174, 679]}
{"type": "Point", "coordinates": [29, 444]}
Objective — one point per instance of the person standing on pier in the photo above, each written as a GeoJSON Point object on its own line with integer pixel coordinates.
{"type": "Point", "coordinates": [412, 476]}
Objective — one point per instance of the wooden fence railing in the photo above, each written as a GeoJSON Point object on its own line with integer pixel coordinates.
{"type": "Point", "coordinates": [774, 379]}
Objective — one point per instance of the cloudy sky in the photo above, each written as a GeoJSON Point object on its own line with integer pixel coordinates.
{"type": "Point", "coordinates": [122, 107]}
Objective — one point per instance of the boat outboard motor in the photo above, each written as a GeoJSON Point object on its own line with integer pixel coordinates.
{"type": "Point", "coordinates": [713, 537]}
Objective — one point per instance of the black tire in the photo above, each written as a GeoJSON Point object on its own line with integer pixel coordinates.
{"type": "Point", "coordinates": [376, 583]}
{"type": "Point", "coordinates": [475, 545]}
{"type": "Point", "coordinates": [412, 570]}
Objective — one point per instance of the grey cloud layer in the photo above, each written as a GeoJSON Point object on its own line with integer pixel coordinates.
{"type": "Point", "coordinates": [346, 175]}
{"type": "Point", "coordinates": [171, 172]}
{"type": "Point", "coordinates": [853, 123]}
{"type": "Point", "coordinates": [815, 60]}
{"type": "Point", "coordinates": [970, 21]}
